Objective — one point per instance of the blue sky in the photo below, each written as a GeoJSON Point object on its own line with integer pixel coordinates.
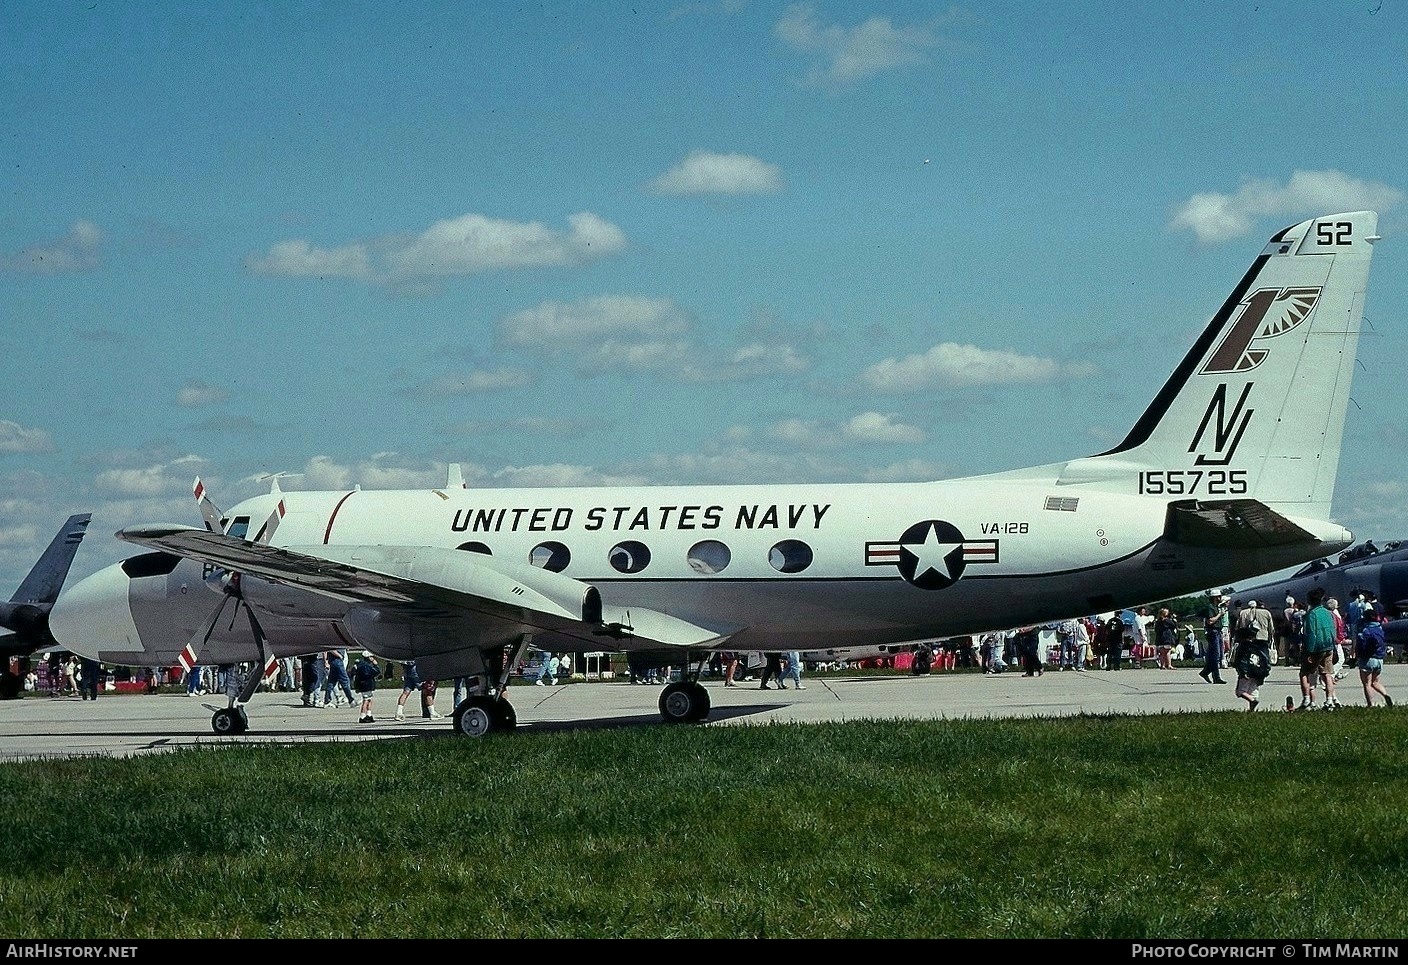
{"type": "Point", "coordinates": [580, 243]}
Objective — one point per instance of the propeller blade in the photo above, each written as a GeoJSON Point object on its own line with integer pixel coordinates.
{"type": "Point", "coordinates": [214, 518]}
{"type": "Point", "coordinates": [266, 532]}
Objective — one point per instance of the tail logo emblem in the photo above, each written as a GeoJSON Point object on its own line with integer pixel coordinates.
{"type": "Point", "coordinates": [932, 555]}
{"type": "Point", "coordinates": [1267, 313]}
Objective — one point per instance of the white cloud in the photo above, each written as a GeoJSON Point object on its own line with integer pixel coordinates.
{"type": "Point", "coordinates": [1215, 217]}
{"type": "Point", "coordinates": [470, 244]}
{"type": "Point", "coordinates": [880, 428]}
{"type": "Point", "coordinates": [74, 252]}
{"type": "Point", "coordinates": [196, 393]}
{"type": "Point", "coordinates": [145, 482]}
{"type": "Point", "coordinates": [910, 470]}
{"type": "Point", "coordinates": [706, 172]}
{"type": "Point", "coordinates": [843, 54]}
{"type": "Point", "coordinates": [868, 428]}
{"type": "Point", "coordinates": [555, 325]}
{"type": "Point", "coordinates": [479, 380]}
{"type": "Point", "coordinates": [748, 362]}
{"type": "Point", "coordinates": [558, 475]}
{"type": "Point", "coordinates": [22, 536]}
{"type": "Point", "coordinates": [739, 465]}
{"type": "Point", "coordinates": [16, 438]}
{"type": "Point", "coordinates": [611, 333]}
{"type": "Point", "coordinates": [299, 259]}
{"type": "Point", "coordinates": [949, 365]}
{"type": "Point", "coordinates": [378, 472]}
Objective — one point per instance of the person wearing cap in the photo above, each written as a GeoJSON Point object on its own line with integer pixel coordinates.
{"type": "Point", "coordinates": [1251, 657]}
{"type": "Point", "coordinates": [1212, 625]}
{"type": "Point", "coordinates": [365, 674]}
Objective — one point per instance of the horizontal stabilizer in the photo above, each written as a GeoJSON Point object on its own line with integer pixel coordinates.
{"type": "Point", "coordinates": [1233, 524]}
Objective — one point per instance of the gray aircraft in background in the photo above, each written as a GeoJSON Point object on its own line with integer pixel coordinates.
{"type": "Point", "coordinates": [1365, 568]}
{"type": "Point", "coordinates": [26, 615]}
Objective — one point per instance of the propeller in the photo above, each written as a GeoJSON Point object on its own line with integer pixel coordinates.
{"type": "Point", "coordinates": [229, 585]}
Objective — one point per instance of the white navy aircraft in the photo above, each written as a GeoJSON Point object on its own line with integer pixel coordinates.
{"type": "Point", "coordinates": [1228, 474]}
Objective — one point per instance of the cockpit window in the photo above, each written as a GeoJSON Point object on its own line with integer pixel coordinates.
{"type": "Point", "coordinates": [149, 564]}
{"type": "Point", "coordinates": [239, 529]}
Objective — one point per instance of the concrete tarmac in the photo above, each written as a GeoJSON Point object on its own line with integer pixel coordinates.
{"type": "Point", "coordinates": [122, 725]}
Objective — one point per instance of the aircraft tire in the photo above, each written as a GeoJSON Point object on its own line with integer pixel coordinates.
{"type": "Point", "coordinates": [229, 720]}
{"type": "Point", "coordinates": [507, 716]}
{"type": "Point", "coordinates": [684, 703]}
{"type": "Point", "coordinates": [478, 717]}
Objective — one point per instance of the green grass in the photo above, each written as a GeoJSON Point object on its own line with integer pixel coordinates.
{"type": "Point", "coordinates": [1210, 825]}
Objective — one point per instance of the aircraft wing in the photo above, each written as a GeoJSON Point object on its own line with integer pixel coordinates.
{"type": "Point", "coordinates": [485, 598]}
{"type": "Point", "coordinates": [1233, 524]}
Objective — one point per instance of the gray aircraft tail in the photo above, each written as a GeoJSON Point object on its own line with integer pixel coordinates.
{"type": "Point", "coordinates": [27, 613]}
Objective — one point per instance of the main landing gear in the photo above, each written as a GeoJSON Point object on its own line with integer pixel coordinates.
{"type": "Point", "coordinates": [229, 721]}
{"type": "Point", "coordinates": [486, 710]}
{"type": "Point", "coordinates": [482, 714]}
{"type": "Point", "coordinates": [684, 702]}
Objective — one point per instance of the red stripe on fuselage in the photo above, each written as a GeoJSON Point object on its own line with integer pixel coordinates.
{"type": "Point", "coordinates": [327, 533]}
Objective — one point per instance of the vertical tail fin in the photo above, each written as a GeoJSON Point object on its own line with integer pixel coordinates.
{"type": "Point", "coordinates": [46, 578]}
{"type": "Point", "coordinates": [1257, 406]}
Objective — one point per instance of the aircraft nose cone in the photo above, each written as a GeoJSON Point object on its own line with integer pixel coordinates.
{"type": "Point", "coordinates": [95, 615]}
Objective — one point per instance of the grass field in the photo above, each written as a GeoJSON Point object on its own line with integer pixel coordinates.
{"type": "Point", "coordinates": [1209, 825]}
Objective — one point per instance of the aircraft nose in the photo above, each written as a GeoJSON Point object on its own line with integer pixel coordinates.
{"type": "Point", "coordinates": [96, 614]}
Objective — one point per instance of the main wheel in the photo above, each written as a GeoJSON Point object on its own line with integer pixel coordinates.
{"type": "Point", "coordinates": [507, 716]}
{"type": "Point", "coordinates": [229, 720]}
{"type": "Point", "coordinates": [684, 702]}
{"type": "Point", "coordinates": [479, 716]}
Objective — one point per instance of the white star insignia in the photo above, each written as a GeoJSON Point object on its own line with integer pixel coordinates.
{"type": "Point", "coordinates": [930, 554]}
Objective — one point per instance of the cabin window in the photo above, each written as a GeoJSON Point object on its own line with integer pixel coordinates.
{"type": "Point", "coordinates": [551, 555]}
{"type": "Point", "coordinates": [474, 546]}
{"type": "Point", "coordinates": [709, 556]}
{"type": "Point", "coordinates": [790, 556]}
{"type": "Point", "coordinates": [629, 556]}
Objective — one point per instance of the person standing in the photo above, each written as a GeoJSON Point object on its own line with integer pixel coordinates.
{"type": "Point", "coordinates": [794, 669]}
{"type": "Point", "coordinates": [772, 670]}
{"type": "Point", "coordinates": [1029, 651]}
{"type": "Point", "coordinates": [427, 700]}
{"type": "Point", "coordinates": [410, 684]}
{"type": "Point", "coordinates": [365, 674]}
{"type": "Point", "coordinates": [1166, 637]}
{"type": "Point", "coordinates": [310, 677]}
{"type": "Point", "coordinates": [1252, 660]}
{"type": "Point", "coordinates": [1259, 619]}
{"type": "Point", "coordinates": [729, 660]}
{"type": "Point", "coordinates": [1370, 650]}
{"type": "Point", "coordinates": [320, 679]}
{"type": "Point", "coordinates": [1212, 626]}
{"type": "Point", "coordinates": [1114, 640]}
{"type": "Point", "coordinates": [1341, 636]}
{"type": "Point", "coordinates": [193, 681]}
{"type": "Point", "coordinates": [337, 686]}
{"type": "Point", "coordinates": [1317, 653]}
{"type": "Point", "coordinates": [89, 672]}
